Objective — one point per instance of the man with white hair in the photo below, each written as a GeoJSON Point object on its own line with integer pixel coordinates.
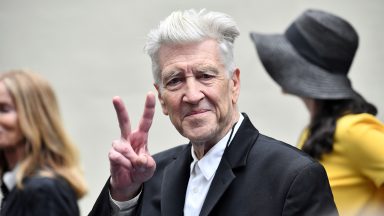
{"type": "Point", "coordinates": [228, 167]}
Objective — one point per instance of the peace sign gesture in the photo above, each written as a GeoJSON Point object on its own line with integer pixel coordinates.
{"type": "Point", "coordinates": [130, 162]}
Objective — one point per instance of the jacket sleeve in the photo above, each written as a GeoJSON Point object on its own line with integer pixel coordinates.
{"type": "Point", "coordinates": [105, 206]}
{"type": "Point", "coordinates": [364, 135]}
{"type": "Point", "coordinates": [310, 193]}
{"type": "Point", "coordinates": [102, 206]}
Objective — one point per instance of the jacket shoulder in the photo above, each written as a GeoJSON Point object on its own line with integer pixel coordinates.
{"type": "Point", "coordinates": [45, 184]}
{"type": "Point", "coordinates": [282, 153]}
{"type": "Point", "coordinates": [42, 195]}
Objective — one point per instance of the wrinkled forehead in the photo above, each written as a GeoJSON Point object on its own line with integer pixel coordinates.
{"type": "Point", "coordinates": [205, 53]}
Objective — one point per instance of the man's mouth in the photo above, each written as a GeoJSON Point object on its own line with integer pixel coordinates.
{"type": "Point", "coordinates": [196, 112]}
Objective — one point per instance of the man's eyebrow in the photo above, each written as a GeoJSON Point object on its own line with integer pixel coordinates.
{"type": "Point", "coordinates": [197, 69]}
{"type": "Point", "coordinates": [204, 68]}
{"type": "Point", "coordinates": [168, 74]}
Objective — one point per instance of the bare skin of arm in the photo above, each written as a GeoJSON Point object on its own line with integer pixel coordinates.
{"type": "Point", "coordinates": [130, 161]}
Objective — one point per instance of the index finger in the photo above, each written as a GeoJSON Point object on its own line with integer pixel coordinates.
{"type": "Point", "coordinates": [122, 117]}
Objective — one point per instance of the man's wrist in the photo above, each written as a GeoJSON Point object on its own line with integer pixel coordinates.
{"type": "Point", "coordinates": [124, 194]}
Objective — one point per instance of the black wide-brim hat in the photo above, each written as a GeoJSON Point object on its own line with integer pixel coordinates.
{"type": "Point", "coordinates": [312, 58]}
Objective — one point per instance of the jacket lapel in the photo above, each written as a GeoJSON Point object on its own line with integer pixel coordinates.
{"type": "Point", "coordinates": [223, 178]}
{"type": "Point", "coordinates": [235, 156]}
{"type": "Point", "coordinates": [174, 184]}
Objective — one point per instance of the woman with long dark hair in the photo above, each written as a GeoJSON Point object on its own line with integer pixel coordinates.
{"type": "Point", "coordinates": [311, 60]}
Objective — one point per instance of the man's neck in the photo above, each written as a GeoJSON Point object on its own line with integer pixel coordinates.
{"type": "Point", "coordinates": [201, 148]}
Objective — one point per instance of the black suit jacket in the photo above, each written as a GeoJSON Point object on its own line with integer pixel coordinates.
{"type": "Point", "coordinates": [41, 196]}
{"type": "Point", "coordinates": [257, 175]}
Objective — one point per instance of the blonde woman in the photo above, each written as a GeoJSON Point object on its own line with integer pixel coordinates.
{"type": "Point", "coordinates": [39, 166]}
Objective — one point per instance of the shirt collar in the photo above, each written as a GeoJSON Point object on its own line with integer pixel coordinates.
{"type": "Point", "coordinates": [210, 161]}
{"type": "Point", "coordinates": [9, 178]}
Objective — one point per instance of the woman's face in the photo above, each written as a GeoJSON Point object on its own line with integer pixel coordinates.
{"type": "Point", "coordinates": [10, 132]}
{"type": "Point", "coordinates": [310, 104]}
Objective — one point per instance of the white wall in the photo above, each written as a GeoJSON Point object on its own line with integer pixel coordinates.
{"type": "Point", "coordinates": [91, 50]}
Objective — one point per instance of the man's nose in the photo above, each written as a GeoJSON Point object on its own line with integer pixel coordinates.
{"type": "Point", "coordinates": [193, 91]}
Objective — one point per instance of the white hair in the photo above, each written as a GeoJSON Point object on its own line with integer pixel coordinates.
{"type": "Point", "coordinates": [192, 26]}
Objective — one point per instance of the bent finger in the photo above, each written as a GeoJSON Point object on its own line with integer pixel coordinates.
{"type": "Point", "coordinates": [124, 149]}
{"type": "Point", "coordinates": [116, 160]}
{"type": "Point", "coordinates": [144, 163]}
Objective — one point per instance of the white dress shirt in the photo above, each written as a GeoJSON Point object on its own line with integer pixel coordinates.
{"type": "Point", "coordinates": [201, 175]}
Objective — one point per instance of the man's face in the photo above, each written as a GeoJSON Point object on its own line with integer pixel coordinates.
{"type": "Point", "coordinates": [197, 92]}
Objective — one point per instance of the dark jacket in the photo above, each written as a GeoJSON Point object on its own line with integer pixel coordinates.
{"type": "Point", "coordinates": [41, 196]}
{"type": "Point", "coordinates": [257, 175]}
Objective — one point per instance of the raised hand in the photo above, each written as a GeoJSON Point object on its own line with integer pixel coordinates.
{"type": "Point", "coordinates": [130, 162]}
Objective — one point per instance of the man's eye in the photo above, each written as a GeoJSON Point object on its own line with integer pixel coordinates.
{"type": "Point", "coordinates": [173, 81]}
{"type": "Point", "coordinates": [206, 76]}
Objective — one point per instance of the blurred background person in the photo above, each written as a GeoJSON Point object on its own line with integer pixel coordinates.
{"type": "Point", "coordinates": [39, 165]}
{"type": "Point", "coordinates": [311, 60]}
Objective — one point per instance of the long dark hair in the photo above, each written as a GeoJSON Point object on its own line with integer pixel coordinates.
{"type": "Point", "coordinates": [323, 124]}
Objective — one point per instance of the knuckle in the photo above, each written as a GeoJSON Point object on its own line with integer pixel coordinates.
{"type": "Point", "coordinates": [123, 150]}
{"type": "Point", "coordinates": [113, 156]}
{"type": "Point", "coordinates": [115, 142]}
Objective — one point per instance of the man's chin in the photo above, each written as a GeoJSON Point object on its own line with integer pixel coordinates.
{"type": "Point", "coordinates": [199, 136]}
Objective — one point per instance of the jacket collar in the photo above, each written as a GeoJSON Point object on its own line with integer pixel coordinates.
{"type": "Point", "coordinates": [176, 174]}
{"type": "Point", "coordinates": [174, 184]}
{"type": "Point", "coordinates": [235, 156]}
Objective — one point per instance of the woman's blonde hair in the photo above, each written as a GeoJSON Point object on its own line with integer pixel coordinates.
{"type": "Point", "coordinates": [49, 150]}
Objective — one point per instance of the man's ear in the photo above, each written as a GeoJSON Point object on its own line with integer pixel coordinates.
{"type": "Point", "coordinates": [235, 85]}
{"type": "Point", "coordinates": [159, 95]}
